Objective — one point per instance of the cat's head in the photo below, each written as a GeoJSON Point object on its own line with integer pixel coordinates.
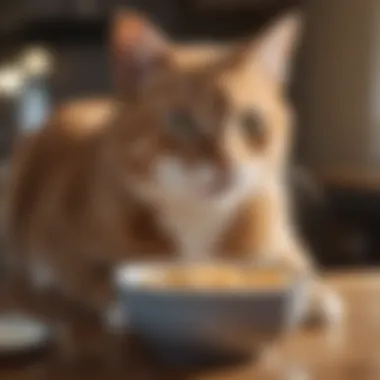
{"type": "Point", "coordinates": [197, 122]}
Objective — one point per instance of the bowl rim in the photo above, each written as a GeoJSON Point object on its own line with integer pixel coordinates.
{"type": "Point", "coordinates": [122, 283]}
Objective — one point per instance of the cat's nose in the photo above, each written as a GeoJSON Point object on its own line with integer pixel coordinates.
{"type": "Point", "coordinates": [221, 159]}
{"type": "Point", "coordinates": [224, 164]}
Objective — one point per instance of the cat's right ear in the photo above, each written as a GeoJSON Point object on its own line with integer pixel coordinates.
{"type": "Point", "coordinates": [139, 50]}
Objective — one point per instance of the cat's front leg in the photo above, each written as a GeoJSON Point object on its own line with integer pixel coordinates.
{"type": "Point", "coordinates": [325, 305]}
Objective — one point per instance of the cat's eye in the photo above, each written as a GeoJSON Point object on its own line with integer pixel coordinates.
{"type": "Point", "coordinates": [180, 123]}
{"type": "Point", "coordinates": [253, 124]}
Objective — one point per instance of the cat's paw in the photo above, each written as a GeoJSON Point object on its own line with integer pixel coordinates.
{"type": "Point", "coordinates": [326, 306]}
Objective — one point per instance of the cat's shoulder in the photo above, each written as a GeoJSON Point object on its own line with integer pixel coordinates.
{"type": "Point", "coordinates": [84, 117]}
{"type": "Point", "coordinates": [75, 121]}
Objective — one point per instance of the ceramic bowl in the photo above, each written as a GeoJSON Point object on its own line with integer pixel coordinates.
{"type": "Point", "coordinates": [206, 322]}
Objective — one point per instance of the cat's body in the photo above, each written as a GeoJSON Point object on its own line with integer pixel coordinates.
{"type": "Point", "coordinates": [187, 161]}
{"type": "Point", "coordinates": [71, 212]}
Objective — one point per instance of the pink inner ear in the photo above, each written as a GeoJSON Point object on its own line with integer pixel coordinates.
{"type": "Point", "coordinates": [136, 38]}
{"type": "Point", "coordinates": [138, 49]}
{"type": "Point", "coordinates": [128, 32]}
{"type": "Point", "coordinates": [278, 45]}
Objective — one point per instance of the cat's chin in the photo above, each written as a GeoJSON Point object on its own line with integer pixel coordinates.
{"type": "Point", "coordinates": [226, 197]}
{"type": "Point", "coordinates": [244, 183]}
{"type": "Point", "coordinates": [211, 193]}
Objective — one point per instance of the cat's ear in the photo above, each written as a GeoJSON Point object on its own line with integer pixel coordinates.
{"type": "Point", "coordinates": [138, 49]}
{"type": "Point", "coordinates": [272, 49]}
{"type": "Point", "coordinates": [276, 46]}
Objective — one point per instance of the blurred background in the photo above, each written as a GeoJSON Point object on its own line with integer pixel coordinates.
{"type": "Point", "coordinates": [52, 51]}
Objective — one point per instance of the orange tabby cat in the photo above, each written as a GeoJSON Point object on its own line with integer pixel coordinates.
{"type": "Point", "coordinates": [187, 160]}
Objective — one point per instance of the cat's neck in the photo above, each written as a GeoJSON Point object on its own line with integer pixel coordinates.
{"type": "Point", "coordinates": [198, 228]}
{"type": "Point", "coordinates": [194, 228]}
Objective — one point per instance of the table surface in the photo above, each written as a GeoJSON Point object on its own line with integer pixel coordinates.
{"type": "Point", "coordinates": [345, 352]}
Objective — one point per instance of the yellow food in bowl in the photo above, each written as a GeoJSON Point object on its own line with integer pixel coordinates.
{"type": "Point", "coordinates": [217, 277]}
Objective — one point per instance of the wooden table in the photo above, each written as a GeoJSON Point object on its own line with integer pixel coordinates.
{"type": "Point", "coordinates": [351, 351]}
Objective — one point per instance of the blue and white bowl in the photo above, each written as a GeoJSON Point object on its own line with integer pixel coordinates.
{"type": "Point", "coordinates": [204, 322]}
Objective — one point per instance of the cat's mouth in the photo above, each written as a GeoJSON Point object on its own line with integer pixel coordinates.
{"type": "Point", "coordinates": [205, 182]}
{"type": "Point", "coordinates": [171, 181]}
{"type": "Point", "coordinates": [242, 182]}
{"type": "Point", "coordinates": [215, 187]}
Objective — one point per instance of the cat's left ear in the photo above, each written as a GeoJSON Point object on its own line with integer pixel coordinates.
{"type": "Point", "coordinates": [139, 50]}
{"type": "Point", "coordinates": [276, 46]}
